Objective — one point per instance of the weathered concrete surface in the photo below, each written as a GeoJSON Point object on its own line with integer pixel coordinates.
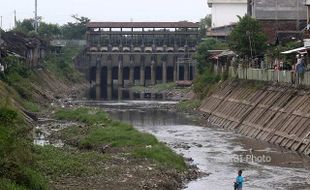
{"type": "Point", "coordinates": [273, 113]}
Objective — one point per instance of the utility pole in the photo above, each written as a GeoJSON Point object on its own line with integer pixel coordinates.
{"type": "Point", "coordinates": [36, 16]}
{"type": "Point", "coordinates": [15, 21]}
{"type": "Point", "coordinates": [0, 36]}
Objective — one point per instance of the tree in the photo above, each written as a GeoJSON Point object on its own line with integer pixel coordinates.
{"type": "Point", "coordinates": [247, 39]}
{"type": "Point", "coordinates": [204, 24]}
{"type": "Point", "coordinates": [203, 54]}
{"type": "Point", "coordinates": [24, 26]}
{"type": "Point", "coordinates": [45, 30]}
{"type": "Point", "coordinates": [48, 31]}
{"type": "Point", "coordinates": [75, 30]}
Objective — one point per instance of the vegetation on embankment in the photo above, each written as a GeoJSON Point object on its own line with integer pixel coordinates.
{"type": "Point", "coordinates": [62, 65]}
{"type": "Point", "coordinates": [17, 163]}
{"type": "Point", "coordinates": [188, 105]}
{"type": "Point", "coordinates": [24, 90]}
{"type": "Point", "coordinates": [101, 131]}
{"type": "Point", "coordinates": [106, 154]}
{"type": "Point", "coordinates": [32, 88]}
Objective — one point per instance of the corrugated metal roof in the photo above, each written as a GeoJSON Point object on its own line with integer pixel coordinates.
{"type": "Point", "coordinates": [294, 50]}
{"type": "Point", "coordinates": [142, 25]}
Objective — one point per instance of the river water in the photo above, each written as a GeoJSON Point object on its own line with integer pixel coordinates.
{"type": "Point", "coordinates": [217, 152]}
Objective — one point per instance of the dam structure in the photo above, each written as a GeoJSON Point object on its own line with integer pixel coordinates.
{"type": "Point", "coordinates": [139, 53]}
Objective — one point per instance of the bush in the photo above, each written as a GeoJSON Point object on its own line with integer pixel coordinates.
{"type": "Point", "coordinates": [204, 82]}
{"type": "Point", "coordinates": [16, 154]}
{"type": "Point", "coordinates": [63, 67]}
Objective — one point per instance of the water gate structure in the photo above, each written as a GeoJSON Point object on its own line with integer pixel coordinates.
{"type": "Point", "coordinates": [139, 53]}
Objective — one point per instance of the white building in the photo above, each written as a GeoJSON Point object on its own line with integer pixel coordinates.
{"type": "Point", "coordinates": [225, 12]}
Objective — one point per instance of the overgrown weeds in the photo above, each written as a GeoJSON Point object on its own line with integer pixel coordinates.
{"type": "Point", "coordinates": [103, 131]}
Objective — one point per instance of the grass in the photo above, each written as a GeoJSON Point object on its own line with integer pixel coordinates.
{"type": "Point", "coordinates": [102, 131]}
{"type": "Point", "coordinates": [84, 115]}
{"type": "Point", "coordinates": [156, 88]}
{"type": "Point", "coordinates": [188, 105]}
{"type": "Point", "coordinates": [56, 162]}
{"type": "Point", "coordinates": [31, 106]}
{"type": "Point", "coordinates": [205, 82]}
{"type": "Point", "coordinates": [6, 184]}
{"type": "Point", "coordinates": [117, 135]}
{"type": "Point", "coordinates": [62, 66]}
{"type": "Point", "coordinates": [163, 155]}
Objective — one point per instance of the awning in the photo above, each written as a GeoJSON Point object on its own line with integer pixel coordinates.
{"type": "Point", "coordinates": [225, 53]}
{"type": "Point", "coordinates": [301, 49]}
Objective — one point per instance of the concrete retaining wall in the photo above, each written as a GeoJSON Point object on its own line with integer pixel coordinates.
{"type": "Point", "coordinates": [276, 114]}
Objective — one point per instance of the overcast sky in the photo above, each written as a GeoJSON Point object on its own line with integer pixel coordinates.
{"type": "Point", "coordinates": [59, 11]}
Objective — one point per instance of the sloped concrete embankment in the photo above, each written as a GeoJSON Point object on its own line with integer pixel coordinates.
{"type": "Point", "coordinates": [272, 113]}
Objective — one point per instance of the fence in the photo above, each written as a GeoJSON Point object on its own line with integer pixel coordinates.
{"type": "Point", "coordinates": [64, 43]}
{"type": "Point", "coordinates": [267, 75]}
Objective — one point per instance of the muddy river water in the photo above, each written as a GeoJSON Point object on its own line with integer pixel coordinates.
{"type": "Point", "coordinates": [217, 152]}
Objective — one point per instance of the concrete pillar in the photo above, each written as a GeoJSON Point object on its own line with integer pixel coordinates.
{"type": "Point", "coordinates": [142, 96]}
{"type": "Point", "coordinates": [164, 72]}
{"type": "Point", "coordinates": [193, 71]}
{"type": "Point", "coordinates": [142, 75]}
{"type": "Point", "coordinates": [120, 74]}
{"type": "Point", "coordinates": [131, 75]}
{"type": "Point", "coordinates": [153, 73]}
{"type": "Point", "coordinates": [98, 75]}
{"type": "Point", "coordinates": [109, 92]}
{"type": "Point", "coordinates": [120, 94]}
{"type": "Point", "coordinates": [131, 95]}
{"type": "Point", "coordinates": [175, 72]}
{"type": "Point", "coordinates": [186, 72]}
{"type": "Point", "coordinates": [109, 77]}
{"type": "Point", "coordinates": [98, 94]}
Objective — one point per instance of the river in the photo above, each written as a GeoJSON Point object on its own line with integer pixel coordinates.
{"type": "Point", "coordinates": [217, 152]}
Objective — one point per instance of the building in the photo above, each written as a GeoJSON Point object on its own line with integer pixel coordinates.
{"type": "Point", "coordinates": [31, 49]}
{"type": "Point", "coordinates": [224, 16]}
{"type": "Point", "coordinates": [282, 20]}
{"type": "Point", "coordinates": [139, 52]}
{"type": "Point", "coordinates": [225, 12]}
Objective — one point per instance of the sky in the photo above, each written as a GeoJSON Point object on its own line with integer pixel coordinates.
{"type": "Point", "coordinates": [60, 11]}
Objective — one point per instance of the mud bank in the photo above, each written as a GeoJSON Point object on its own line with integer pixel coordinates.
{"type": "Point", "coordinates": [270, 112]}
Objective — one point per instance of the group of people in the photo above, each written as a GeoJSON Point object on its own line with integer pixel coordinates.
{"type": "Point", "coordinates": [297, 69]}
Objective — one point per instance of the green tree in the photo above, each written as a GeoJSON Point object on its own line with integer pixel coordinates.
{"type": "Point", "coordinates": [24, 26]}
{"type": "Point", "coordinates": [203, 53]}
{"type": "Point", "coordinates": [49, 31]}
{"type": "Point", "coordinates": [247, 39]}
{"type": "Point", "coordinates": [204, 24]}
{"type": "Point", "coordinates": [75, 30]}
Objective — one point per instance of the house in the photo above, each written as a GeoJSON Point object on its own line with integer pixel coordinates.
{"type": "Point", "coordinates": [224, 16]}
{"type": "Point", "coordinates": [31, 49]}
{"type": "Point", "coordinates": [282, 20]}
{"type": "Point", "coordinates": [225, 12]}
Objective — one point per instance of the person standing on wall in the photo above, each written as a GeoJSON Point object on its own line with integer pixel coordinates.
{"type": "Point", "coordinates": [300, 69]}
{"type": "Point", "coordinates": [296, 69]}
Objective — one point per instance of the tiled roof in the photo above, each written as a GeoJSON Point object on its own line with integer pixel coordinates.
{"type": "Point", "coordinates": [182, 24]}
